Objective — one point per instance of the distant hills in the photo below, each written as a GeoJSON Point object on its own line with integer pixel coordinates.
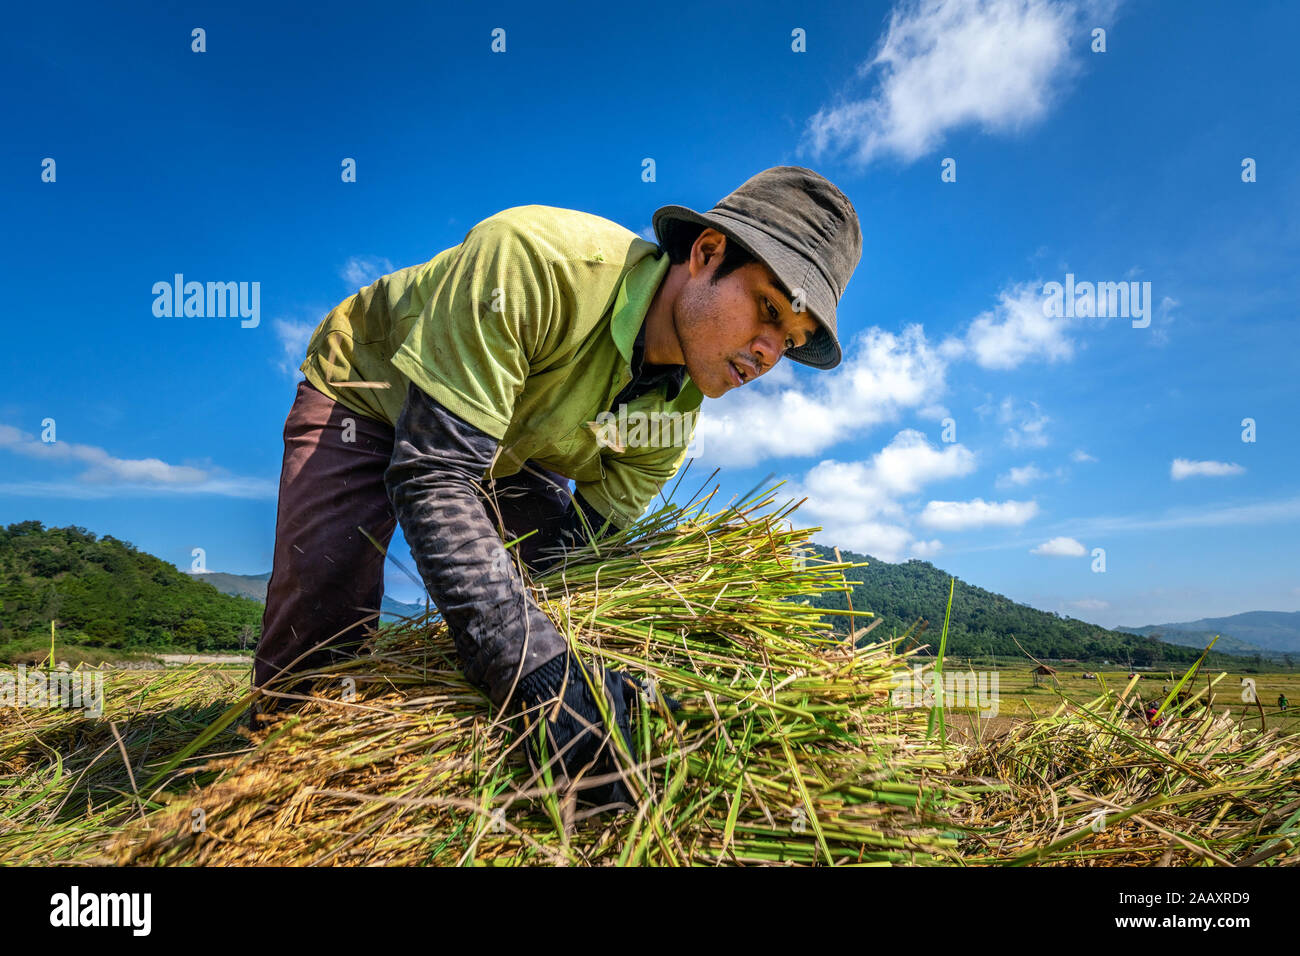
{"type": "Point", "coordinates": [251, 586]}
{"type": "Point", "coordinates": [105, 593]}
{"type": "Point", "coordinates": [254, 586]}
{"type": "Point", "coordinates": [1269, 633]}
{"type": "Point", "coordinates": [985, 623]}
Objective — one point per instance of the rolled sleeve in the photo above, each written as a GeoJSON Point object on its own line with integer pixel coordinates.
{"type": "Point", "coordinates": [633, 478]}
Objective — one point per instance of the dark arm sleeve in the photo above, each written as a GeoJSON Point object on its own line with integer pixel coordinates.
{"type": "Point", "coordinates": [438, 461]}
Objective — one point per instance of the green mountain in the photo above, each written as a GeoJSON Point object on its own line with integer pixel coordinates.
{"type": "Point", "coordinates": [1268, 632]}
{"type": "Point", "coordinates": [983, 623]}
{"type": "Point", "coordinates": [102, 592]}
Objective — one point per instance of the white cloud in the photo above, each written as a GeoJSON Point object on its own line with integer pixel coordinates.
{"type": "Point", "coordinates": [856, 503]}
{"type": "Point", "coordinates": [1060, 548]}
{"type": "Point", "coordinates": [965, 515]}
{"type": "Point", "coordinates": [1029, 432]}
{"type": "Point", "coordinates": [1016, 330]}
{"type": "Point", "coordinates": [926, 549]}
{"type": "Point", "coordinates": [104, 468]}
{"type": "Point", "coordinates": [293, 337]}
{"type": "Point", "coordinates": [910, 461]}
{"type": "Point", "coordinates": [1024, 476]}
{"type": "Point", "coordinates": [883, 376]}
{"type": "Point", "coordinates": [886, 542]}
{"type": "Point", "coordinates": [361, 271]}
{"type": "Point", "coordinates": [1026, 425]}
{"type": "Point", "coordinates": [945, 64]}
{"type": "Point", "coordinates": [840, 488]}
{"type": "Point", "coordinates": [1164, 318]}
{"type": "Point", "coordinates": [1278, 511]}
{"type": "Point", "coordinates": [1080, 456]}
{"type": "Point", "coordinates": [1185, 468]}
{"type": "Point", "coordinates": [108, 476]}
{"type": "Point", "coordinates": [870, 489]}
{"type": "Point", "coordinates": [226, 487]}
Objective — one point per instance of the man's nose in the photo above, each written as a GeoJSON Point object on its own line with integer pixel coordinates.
{"type": "Point", "coordinates": [766, 352]}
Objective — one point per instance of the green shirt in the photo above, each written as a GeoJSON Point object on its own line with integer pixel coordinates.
{"type": "Point", "coordinates": [524, 330]}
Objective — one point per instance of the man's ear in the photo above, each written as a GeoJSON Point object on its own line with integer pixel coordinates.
{"type": "Point", "coordinates": [711, 246]}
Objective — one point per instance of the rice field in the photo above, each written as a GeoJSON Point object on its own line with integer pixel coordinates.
{"type": "Point", "coordinates": [1020, 699]}
{"type": "Point", "coordinates": [789, 748]}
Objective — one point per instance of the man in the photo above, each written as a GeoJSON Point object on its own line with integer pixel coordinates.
{"type": "Point", "coordinates": [459, 396]}
{"type": "Point", "coordinates": [1153, 708]}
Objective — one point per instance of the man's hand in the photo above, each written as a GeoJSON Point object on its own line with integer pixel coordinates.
{"type": "Point", "coordinates": [573, 728]}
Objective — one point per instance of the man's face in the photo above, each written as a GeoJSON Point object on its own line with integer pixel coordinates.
{"type": "Point", "coordinates": [732, 332]}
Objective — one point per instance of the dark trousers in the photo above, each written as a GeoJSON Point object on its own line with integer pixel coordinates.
{"type": "Point", "coordinates": [327, 578]}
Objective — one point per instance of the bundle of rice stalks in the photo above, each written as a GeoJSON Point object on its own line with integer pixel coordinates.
{"type": "Point", "coordinates": [1097, 784]}
{"type": "Point", "coordinates": [66, 777]}
{"type": "Point", "coordinates": [785, 749]}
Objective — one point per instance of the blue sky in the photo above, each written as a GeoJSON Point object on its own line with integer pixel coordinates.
{"type": "Point", "coordinates": [1071, 434]}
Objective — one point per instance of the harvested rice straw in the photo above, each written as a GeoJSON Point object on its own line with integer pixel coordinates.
{"type": "Point", "coordinates": [786, 749]}
{"type": "Point", "coordinates": [1089, 785]}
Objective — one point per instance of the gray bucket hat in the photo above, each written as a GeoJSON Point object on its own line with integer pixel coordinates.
{"type": "Point", "coordinates": [800, 226]}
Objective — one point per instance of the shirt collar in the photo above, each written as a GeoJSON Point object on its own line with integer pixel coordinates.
{"type": "Point", "coordinates": [633, 301]}
{"type": "Point", "coordinates": [627, 324]}
{"type": "Point", "coordinates": [650, 375]}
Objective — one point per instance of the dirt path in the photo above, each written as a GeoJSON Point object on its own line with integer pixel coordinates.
{"type": "Point", "coordinates": [204, 659]}
{"type": "Point", "coordinates": [970, 728]}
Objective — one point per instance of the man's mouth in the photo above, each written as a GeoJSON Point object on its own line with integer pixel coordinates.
{"type": "Point", "coordinates": [743, 374]}
{"type": "Point", "coordinates": [737, 379]}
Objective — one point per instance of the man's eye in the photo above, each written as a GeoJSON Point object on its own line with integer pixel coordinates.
{"type": "Point", "coordinates": [775, 315]}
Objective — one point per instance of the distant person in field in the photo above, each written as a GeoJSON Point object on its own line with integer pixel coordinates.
{"type": "Point", "coordinates": [459, 397]}
{"type": "Point", "coordinates": [1282, 702]}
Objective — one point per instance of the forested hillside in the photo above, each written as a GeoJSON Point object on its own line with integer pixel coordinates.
{"type": "Point", "coordinates": [102, 592]}
{"type": "Point", "coordinates": [983, 623]}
